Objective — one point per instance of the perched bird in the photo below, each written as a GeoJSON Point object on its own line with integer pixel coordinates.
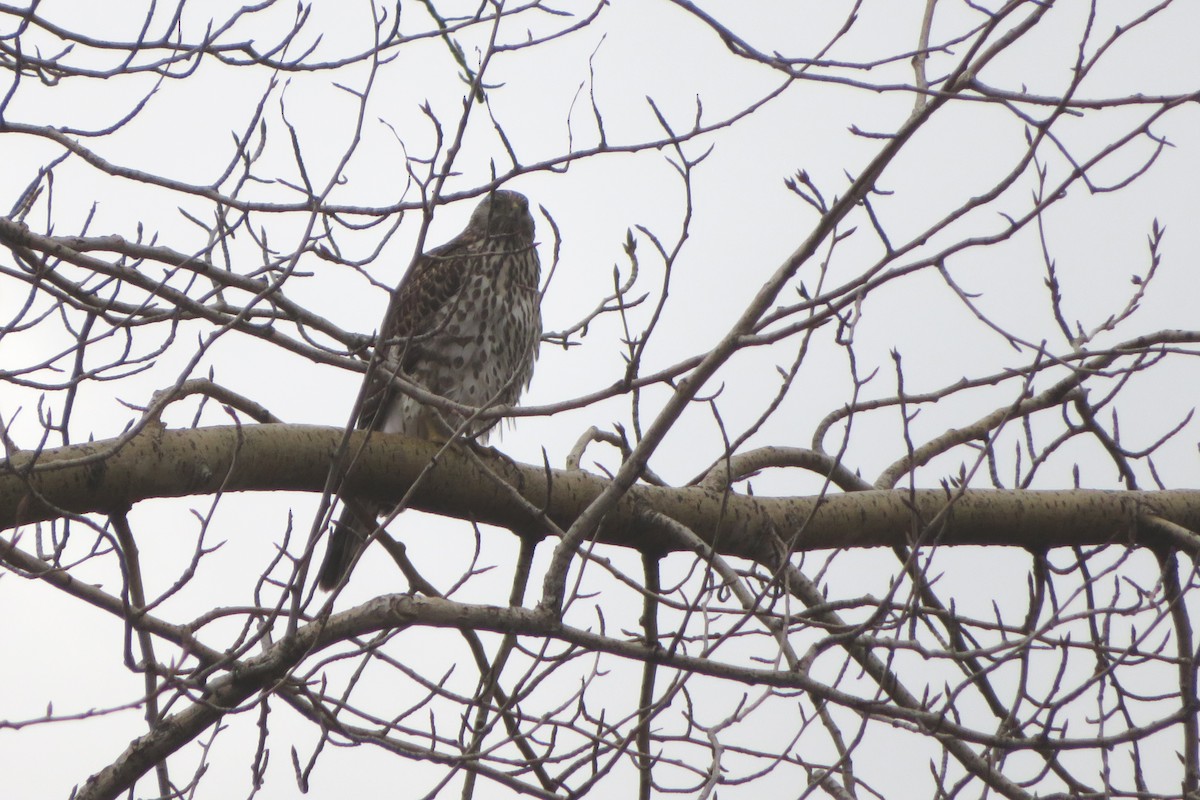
{"type": "Point", "coordinates": [464, 323]}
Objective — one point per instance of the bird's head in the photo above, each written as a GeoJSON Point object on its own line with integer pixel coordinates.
{"type": "Point", "coordinates": [503, 213]}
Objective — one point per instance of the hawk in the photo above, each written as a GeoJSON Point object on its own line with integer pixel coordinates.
{"type": "Point", "coordinates": [464, 323]}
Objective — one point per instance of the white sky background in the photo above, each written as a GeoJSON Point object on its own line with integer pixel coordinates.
{"type": "Point", "coordinates": [745, 224]}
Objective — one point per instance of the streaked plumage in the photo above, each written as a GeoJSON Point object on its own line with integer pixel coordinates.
{"type": "Point", "coordinates": [464, 323]}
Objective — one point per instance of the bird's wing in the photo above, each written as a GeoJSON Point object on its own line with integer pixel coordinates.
{"type": "Point", "coordinates": [432, 282]}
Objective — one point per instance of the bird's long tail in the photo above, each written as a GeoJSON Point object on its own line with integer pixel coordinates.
{"type": "Point", "coordinates": [350, 532]}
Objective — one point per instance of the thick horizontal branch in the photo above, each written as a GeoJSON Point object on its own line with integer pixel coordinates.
{"type": "Point", "coordinates": [94, 477]}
